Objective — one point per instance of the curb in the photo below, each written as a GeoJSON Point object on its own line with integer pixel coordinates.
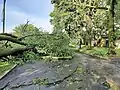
{"type": "Point", "coordinates": [8, 71]}
{"type": "Point", "coordinates": [57, 58]}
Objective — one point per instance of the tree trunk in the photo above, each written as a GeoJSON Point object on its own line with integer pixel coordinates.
{"type": "Point", "coordinates": [9, 38]}
{"type": "Point", "coordinates": [111, 34]}
{"type": "Point", "coordinates": [8, 34]}
{"type": "Point", "coordinates": [90, 38]}
{"type": "Point", "coordinates": [80, 43]}
{"type": "Point", "coordinates": [14, 52]}
{"type": "Point", "coordinates": [14, 39]}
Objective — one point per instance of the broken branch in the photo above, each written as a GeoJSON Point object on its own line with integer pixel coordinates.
{"type": "Point", "coordinates": [14, 40]}
{"type": "Point", "coordinates": [8, 34]}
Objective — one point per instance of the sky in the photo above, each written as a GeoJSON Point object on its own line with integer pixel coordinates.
{"type": "Point", "coordinates": [19, 11]}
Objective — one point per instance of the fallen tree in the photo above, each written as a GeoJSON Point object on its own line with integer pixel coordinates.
{"type": "Point", "coordinates": [14, 39]}
{"type": "Point", "coordinates": [14, 52]}
{"type": "Point", "coordinates": [9, 38]}
{"type": "Point", "coordinates": [8, 34]}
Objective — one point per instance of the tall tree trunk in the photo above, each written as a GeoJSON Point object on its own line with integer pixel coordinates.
{"type": "Point", "coordinates": [80, 43]}
{"type": "Point", "coordinates": [111, 34]}
{"type": "Point", "coordinates": [90, 42]}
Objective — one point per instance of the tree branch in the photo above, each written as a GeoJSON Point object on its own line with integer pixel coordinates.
{"type": "Point", "coordinates": [25, 26]}
{"type": "Point", "coordinates": [7, 34]}
{"type": "Point", "coordinates": [96, 7]}
{"type": "Point", "coordinates": [5, 44]}
{"type": "Point", "coordinates": [28, 36]}
{"type": "Point", "coordinates": [14, 40]}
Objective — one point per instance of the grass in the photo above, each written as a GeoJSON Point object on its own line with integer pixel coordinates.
{"type": "Point", "coordinates": [101, 51]}
{"type": "Point", "coordinates": [98, 51]}
{"type": "Point", "coordinates": [5, 66]}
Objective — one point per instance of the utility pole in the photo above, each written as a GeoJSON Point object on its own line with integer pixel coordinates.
{"type": "Point", "coordinates": [4, 2]}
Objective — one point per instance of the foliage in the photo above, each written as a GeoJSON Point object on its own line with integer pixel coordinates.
{"type": "Point", "coordinates": [117, 34]}
{"type": "Point", "coordinates": [55, 44]}
{"type": "Point", "coordinates": [29, 56]}
{"type": "Point", "coordinates": [73, 16]}
{"type": "Point", "coordinates": [22, 30]}
{"type": "Point", "coordinates": [58, 46]}
{"type": "Point", "coordinates": [86, 19]}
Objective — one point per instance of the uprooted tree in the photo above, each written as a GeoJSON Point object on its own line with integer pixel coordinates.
{"type": "Point", "coordinates": [16, 39]}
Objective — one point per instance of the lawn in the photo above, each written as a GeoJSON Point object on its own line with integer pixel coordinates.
{"type": "Point", "coordinates": [98, 51]}
{"type": "Point", "coordinates": [5, 66]}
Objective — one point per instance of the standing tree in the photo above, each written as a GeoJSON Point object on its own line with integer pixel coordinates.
{"type": "Point", "coordinates": [74, 15]}
{"type": "Point", "coordinates": [111, 27]}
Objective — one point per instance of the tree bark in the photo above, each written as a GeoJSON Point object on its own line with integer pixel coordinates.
{"type": "Point", "coordinates": [14, 52]}
{"type": "Point", "coordinates": [9, 38]}
{"type": "Point", "coordinates": [8, 34]}
{"type": "Point", "coordinates": [111, 34]}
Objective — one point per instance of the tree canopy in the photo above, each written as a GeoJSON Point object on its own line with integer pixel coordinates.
{"type": "Point", "coordinates": [86, 19]}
